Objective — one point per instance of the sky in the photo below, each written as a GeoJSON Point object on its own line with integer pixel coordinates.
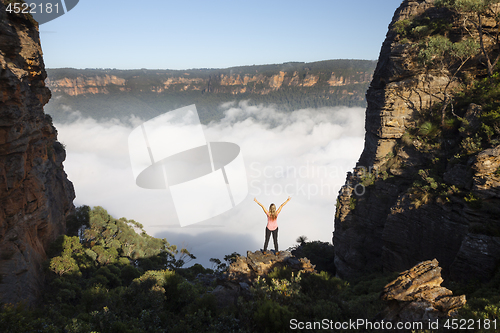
{"type": "Point", "coordinates": [164, 34]}
{"type": "Point", "coordinates": [304, 154]}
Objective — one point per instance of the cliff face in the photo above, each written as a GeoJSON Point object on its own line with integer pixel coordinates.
{"type": "Point", "coordinates": [217, 81]}
{"type": "Point", "coordinates": [35, 194]}
{"type": "Point", "coordinates": [380, 223]}
{"type": "Point", "coordinates": [85, 85]}
{"type": "Point", "coordinates": [114, 93]}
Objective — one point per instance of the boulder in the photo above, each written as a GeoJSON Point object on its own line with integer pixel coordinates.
{"type": "Point", "coordinates": [417, 295]}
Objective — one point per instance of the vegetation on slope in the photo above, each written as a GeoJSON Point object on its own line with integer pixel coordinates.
{"type": "Point", "coordinates": [115, 278]}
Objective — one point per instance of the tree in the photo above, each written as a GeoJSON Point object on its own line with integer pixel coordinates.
{"type": "Point", "coordinates": [301, 239]}
{"type": "Point", "coordinates": [448, 58]}
{"type": "Point", "coordinates": [473, 12]}
{"type": "Point", "coordinates": [77, 222]}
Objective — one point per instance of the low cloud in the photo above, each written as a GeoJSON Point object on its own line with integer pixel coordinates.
{"type": "Point", "coordinates": [304, 154]}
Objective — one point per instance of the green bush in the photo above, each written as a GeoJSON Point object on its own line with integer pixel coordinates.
{"type": "Point", "coordinates": [322, 285]}
{"type": "Point", "coordinates": [428, 129]}
{"type": "Point", "coordinates": [320, 254]}
{"type": "Point", "coordinates": [280, 273]}
{"type": "Point", "coordinates": [271, 317]}
{"type": "Point", "coordinates": [473, 201]}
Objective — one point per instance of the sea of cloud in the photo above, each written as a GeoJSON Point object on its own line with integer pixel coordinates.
{"type": "Point", "coordinates": [304, 154]}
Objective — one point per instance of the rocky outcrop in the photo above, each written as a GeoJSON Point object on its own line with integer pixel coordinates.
{"type": "Point", "coordinates": [247, 269]}
{"type": "Point", "coordinates": [243, 271]}
{"type": "Point", "coordinates": [417, 296]}
{"type": "Point", "coordinates": [383, 222]}
{"type": "Point", "coordinates": [35, 195]}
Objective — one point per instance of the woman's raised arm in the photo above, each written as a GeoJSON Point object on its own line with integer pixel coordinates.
{"type": "Point", "coordinates": [265, 210]}
{"type": "Point", "coordinates": [284, 203]}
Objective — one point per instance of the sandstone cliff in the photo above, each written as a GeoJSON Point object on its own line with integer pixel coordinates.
{"type": "Point", "coordinates": [35, 194]}
{"type": "Point", "coordinates": [408, 200]}
{"type": "Point", "coordinates": [114, 93]}
{"type": "Point", "coordinates": [237, 80]}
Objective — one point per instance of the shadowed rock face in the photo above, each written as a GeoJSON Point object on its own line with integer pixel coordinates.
{"type": "Point", "coordinates": [35, 194]}
{"type": "Point", "coordinates": [382, 229]}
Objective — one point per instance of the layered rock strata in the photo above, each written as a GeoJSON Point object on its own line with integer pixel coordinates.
{"type": "Point", "coordinates": [35, 194]}
{"type": "Point", "coordinates": [417, 296]}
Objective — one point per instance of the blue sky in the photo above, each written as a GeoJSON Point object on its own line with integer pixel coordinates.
{"type": "Point", "coordinates": [163, 34]}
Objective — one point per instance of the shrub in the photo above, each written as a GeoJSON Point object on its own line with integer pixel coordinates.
{"type": "Point", "coordinates": [322, 285]}
{"type": "Point", "coordinates": [352, 203]}
{"type": "Point", "coordinates": [428, 129]}
{"type": "Point", "coordinates": [272, 317]}
{"type": "Point", "coordinates": [401, 27]}
{"type": "Point", "coordinates": [280, 273]}
{"type": "Point", "coordinates": [473, 201]}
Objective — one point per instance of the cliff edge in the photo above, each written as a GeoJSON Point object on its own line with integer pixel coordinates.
{"type": "Point", "coordinates": [427, 184]}
{"type": "Point", "coordinates": [35, 194]}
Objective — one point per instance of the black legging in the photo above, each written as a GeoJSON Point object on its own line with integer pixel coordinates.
{"type": "Point", "coordinates": [275, 238]}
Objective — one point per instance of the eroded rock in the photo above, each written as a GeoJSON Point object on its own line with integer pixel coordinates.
{"type": "Point", "coordinates": [417, 295]}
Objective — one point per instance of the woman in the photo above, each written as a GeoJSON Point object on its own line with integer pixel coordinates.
{"type": "Point", "coordinates": [272, 223]}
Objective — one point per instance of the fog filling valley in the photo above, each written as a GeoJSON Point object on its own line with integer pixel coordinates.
{"type": "Point", "coordinates": [304, 154]}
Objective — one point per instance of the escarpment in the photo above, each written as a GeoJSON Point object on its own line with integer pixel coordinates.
{"type": "Point", "coordinates": [35, 194]}
{"type": "Point", "coordinates": [427, 183]}
{"type": "Point", "coordinates": [259, 80]}
{"type": "Point", "coordinates": [115, 93]}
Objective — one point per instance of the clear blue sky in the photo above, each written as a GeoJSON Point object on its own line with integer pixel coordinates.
{"type": "Point", "coordinates": [185, 34]}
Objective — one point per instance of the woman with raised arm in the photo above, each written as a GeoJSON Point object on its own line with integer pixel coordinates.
{"type": "Point", "coordinates": [272, 223]}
